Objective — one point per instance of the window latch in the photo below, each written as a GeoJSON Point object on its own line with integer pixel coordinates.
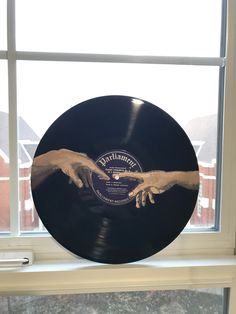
{"type": "Point", "coordinates": [15, 258]}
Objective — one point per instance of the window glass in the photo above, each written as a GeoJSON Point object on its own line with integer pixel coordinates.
{"type": "Point", "coordinates": [4, 151]}
{"type": "Point", "coordinates": [204, 301]}
{"type": "Point", "coordinates": [150, 27]}
{"type": "Point", "coordinates": [188, 93]}
{"type": "Point", "coordinates": [3, 24]}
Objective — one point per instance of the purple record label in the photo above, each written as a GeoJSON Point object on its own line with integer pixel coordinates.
{"type": "Point", "coordinates": [116, 190]}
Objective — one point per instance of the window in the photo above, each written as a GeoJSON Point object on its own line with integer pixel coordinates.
{"type": "Point", "coordinates": [3, 25]}
{"type": "Point", "coordinates": [155, 50]}
{"type": "Point", "coordinates": [58, 93]}
{"type": "Point", "coordinates": [186, 80]}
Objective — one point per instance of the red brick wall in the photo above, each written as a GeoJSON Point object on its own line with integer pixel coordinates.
{"type": "Point", "coordinates": [4, 196]}
{"type": "Point", "coordinates": [29, 217]}
{"type": "Point", "coordinates": [205, 216]}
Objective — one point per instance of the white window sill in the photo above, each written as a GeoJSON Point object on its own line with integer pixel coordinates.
{"type": "Point", "coordinates": [82, 276]}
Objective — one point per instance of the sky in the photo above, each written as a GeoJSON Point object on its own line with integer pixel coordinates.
{"type": "Point", "coordinates": [183, 92]}
{"type": "Point", "coordinates": [151, 27]}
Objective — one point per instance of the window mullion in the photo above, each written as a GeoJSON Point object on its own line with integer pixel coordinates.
{"type": "Point", "coordinates": [221, 99]}
{"type": "Point", "coordinates": [13, 121]}
{"type": "Point", "coordinates": [117, 58]}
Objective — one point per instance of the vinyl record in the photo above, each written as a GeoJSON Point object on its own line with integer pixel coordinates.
{"type": "Point", "coordinates": [115, 179]}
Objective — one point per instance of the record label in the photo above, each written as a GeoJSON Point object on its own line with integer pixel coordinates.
{"type": "Point", "coordinates": [115, 191]}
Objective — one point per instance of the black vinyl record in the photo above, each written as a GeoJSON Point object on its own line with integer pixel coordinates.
{"type": "Point", "coordinates": [115, 179]}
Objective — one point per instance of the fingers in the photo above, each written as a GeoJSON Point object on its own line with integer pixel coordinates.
{"type": "Point", "coordinates": [141, 198]}
{"type": "Point", "coordinates": [77, 181]}
{"type": "Point", "coordinates": [141, 192]}
{"type": "Point", "coordinates": [78, 167]}
{"type": "Point", "coordinates": [70, 172]}
{"type": "Point", "coordinates": [139, 188]}
{"type": "Point", "coordinates": [78, 177]}
{"type": "Point", "coordinates": [84, 175]}
{"type": "Point", "coordinates": [138, 200]}
{"type": "Point", "coordinates": [81, 160]}
{"type": "Point", "coordinates": [89, 164]}
{"type": "Point", "coordinates": [100, 173]}
{"type": "Point", "coordinates": [151, 198]}
{"type": "Point", "coordinates": [128, 174]}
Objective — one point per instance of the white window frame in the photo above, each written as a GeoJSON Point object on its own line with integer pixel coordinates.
{"type": "Point", "coordinates": [213, 244]}
{"type": "Point", "coordinates": [188, 242]}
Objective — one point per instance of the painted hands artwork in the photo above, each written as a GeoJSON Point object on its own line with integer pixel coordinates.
{"type": "Point", "coordinates": [77, 166]}
{"type": "Point", "coordinates": [156, 182]}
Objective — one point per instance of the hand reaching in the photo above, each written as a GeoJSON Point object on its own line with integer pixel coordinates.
{"type": "Point", "coordinates": [77, 166]}
{"type": "Point", "coordinates": [156, 182]}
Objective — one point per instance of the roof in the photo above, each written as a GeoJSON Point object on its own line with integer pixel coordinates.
{"type": "Point", "coordinates": [203, 131]}
{"type": "Point", "coordinates": [28, 139]}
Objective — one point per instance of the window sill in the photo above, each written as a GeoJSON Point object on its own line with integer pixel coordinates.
{"type": "Point", "coordinates": [82, 276]}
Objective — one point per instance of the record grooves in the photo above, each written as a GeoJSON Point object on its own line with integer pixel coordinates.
{"type": "Point", "coordinates": [115, 179]}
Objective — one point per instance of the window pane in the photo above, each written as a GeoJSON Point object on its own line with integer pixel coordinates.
{"type": "Point", "coordinates": [188, 93]}
{"type": "Point", "coordinates": [153, 27]}
{"type": "Point", "coordinates": [4, 151]}
{"type": "Point", "coordinates": [204, 301]}
{"type": "Point", "coordinates": [3, 24]}
{"type": "Point", "coordinates": [28, 141]}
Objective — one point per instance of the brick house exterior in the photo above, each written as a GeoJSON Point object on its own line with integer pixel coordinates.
{"type": "Point", "coordinates": [203, 134]}
{"type": "Point", "coordinates": [28, 141]}
{"type": "Point", "coordinates": [201, 131]}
